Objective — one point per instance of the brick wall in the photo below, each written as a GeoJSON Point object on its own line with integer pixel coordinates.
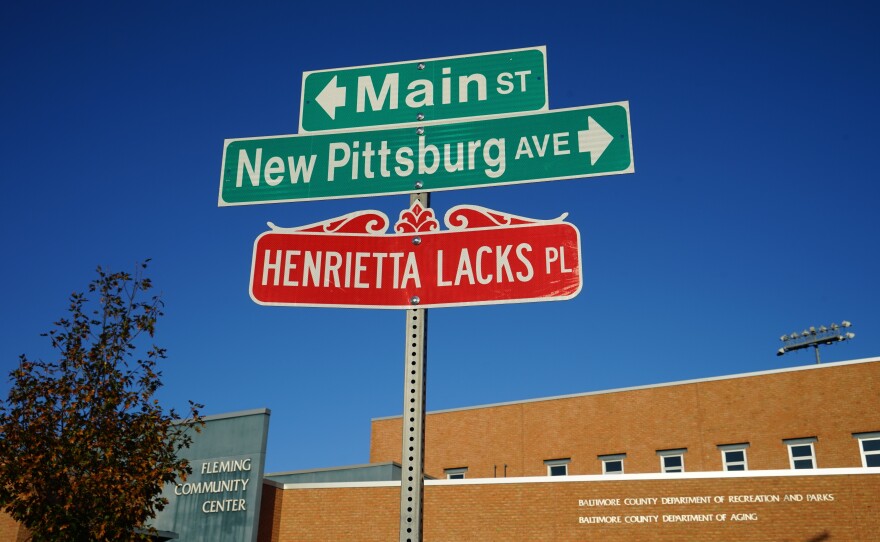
{"type": "Point", "coordinates": [551, 509]}
{"type": "Point", "coordinates": [329, 514]}
{"type": "Point", "coordinates": [271, 512]}
{"type": "Point", "coordinates": [830, 402]}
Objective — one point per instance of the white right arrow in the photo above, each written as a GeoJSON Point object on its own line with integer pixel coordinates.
{"type": "Point", "coordinates": [594, 140]}
{"type": "Point", "coordinates": [331, 97]}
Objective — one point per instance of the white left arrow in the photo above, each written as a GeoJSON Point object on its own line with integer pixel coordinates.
{"type": "Point", "coordinates": [594, 140]}
{"type": "Point", "coordinates": [331, 97]}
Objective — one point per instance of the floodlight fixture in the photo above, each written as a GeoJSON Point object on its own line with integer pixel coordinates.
{"type": "Point", "coordinates": [815, 338]}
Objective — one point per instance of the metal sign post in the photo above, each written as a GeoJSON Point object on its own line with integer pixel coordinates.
{"type": "Point", "coordinates": [483, 257]}
{"type": "Point", "coordinates": [412, 475]}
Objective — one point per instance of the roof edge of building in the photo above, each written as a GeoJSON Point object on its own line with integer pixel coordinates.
{"type": "Point", "coordinates": [329, 469]}
{"type": "Point", "coordinates": [650, 386]}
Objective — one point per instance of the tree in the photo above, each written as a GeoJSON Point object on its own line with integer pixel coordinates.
{"type": "Point", "coordinates": [86, 448]}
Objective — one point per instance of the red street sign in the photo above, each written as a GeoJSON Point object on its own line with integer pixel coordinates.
{"type": "Point", "coordinates": [485, 257]}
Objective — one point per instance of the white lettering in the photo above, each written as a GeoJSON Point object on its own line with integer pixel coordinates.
{"type": "Point", "coordinates": [268, 266]}
{"type": "Point", "coordinates": [300, 167]}
{"type": "Point", "coordinates": [642, 519]}
{"type": "Point", "coordinates": [365, 89]}
{"type": "Point", "coordinates": [598, 502]}
{"type": "Point", "coordinates": [687, 518]}
{"type": "Point", "coordinates": [333, 162]}
{"type": "Point", "coordinates": [440, 281]}
{"type": "Point", "coordinates": [411, 272]}
{"type": "Point", "coordinates": [685, 500]}
{"type": "Point", "coordinates": [559, 142]}
{"type": "Point", "coordinates": [464, 268]}
{"type": "Point", "coordinates": [289, 266]}
{"type": "Point", "coordinates": [422, 95]}
{"type": "Point", "coordinates": [498, 162]}
{"type": "Point", "coordinates": [481, 278]}
{"type": "Point", "coordinates": [529, 272]}
{"type": "Point", "coordinates": [253, 170]}
{"type": "Point", "coordinates": [522, 79]}
{"type": "Point", "coordinates": [523, 148]}
{"type": "Point", "coordinates": [404, 159]}
{"type": "Point", "coordinates": [753, 498]}
{"type": "Point", "coordinates": [504, 84]}
{"type": "Point", "coordinates": [273, 171]}
{"type": "Point", "coordinates": [226, 505]}
{"type": "Point", "coordinates": [464, 81]}
{"type": "Point", "coordinates": [599, 519]}
{"type": "Point", "coordinates": [236, 465]}
{"type": "Point", "coordinates": [444, 86]}
{"type": "Point", "coordinates": [640, 501]}
{"type": "Point", "coordinates": [502, 264]}
{"type": "Point", "coordinates": [423, 152]}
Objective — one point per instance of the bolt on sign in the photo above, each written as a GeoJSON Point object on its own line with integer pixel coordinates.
{"type": "Point", "coordinates": [484, 257]}
{"type": "Point", "coordinates": [529, 147]}
{"type": "Point", "coordinates": [433, 89]}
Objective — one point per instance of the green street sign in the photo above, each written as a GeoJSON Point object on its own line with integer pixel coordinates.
{"type": "Point", "coordinates": [530, 147]}
{"type": "Point", "coordinates": [482, 84]}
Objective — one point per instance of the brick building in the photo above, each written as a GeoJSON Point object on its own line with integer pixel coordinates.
{"type": "Point", "coordinates": [767, 415]}
{"type": "Point", "coordinates": [790, 454]}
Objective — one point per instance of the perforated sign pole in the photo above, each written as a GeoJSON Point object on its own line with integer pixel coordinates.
{"type": "Point", "coordinates": [412, 476]}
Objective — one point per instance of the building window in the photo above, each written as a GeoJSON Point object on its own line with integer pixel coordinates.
{"type": "Point", "coordinates": [612, 464]}
{"type": "Point", "coordinates": [455, 474]}
{"type": "Point", "coordinates": [672, 460]}
{"type": "Point", "coordinates": [869, 446]}
{"type": "Point", "coordinates": [801, 453]}
{"type": "Point", "coordinates": [733, 456]}
{"type": "Point", "coordinates": [557, 467]}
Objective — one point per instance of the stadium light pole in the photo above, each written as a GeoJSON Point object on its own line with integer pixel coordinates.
{"type": "Point", "coordinates": [815, 337]}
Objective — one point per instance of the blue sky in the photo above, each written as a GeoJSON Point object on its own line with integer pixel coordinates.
{"type": "Point", "coordinates": [751, 212]}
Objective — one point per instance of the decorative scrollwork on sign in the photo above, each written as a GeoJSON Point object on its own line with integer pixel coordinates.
{"type": "Point", "coordinates": [370, 222]}
{"type": "Point", "coordinates": [416, 219]}
{"type": "Point", "coordinates": [468, 217]}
